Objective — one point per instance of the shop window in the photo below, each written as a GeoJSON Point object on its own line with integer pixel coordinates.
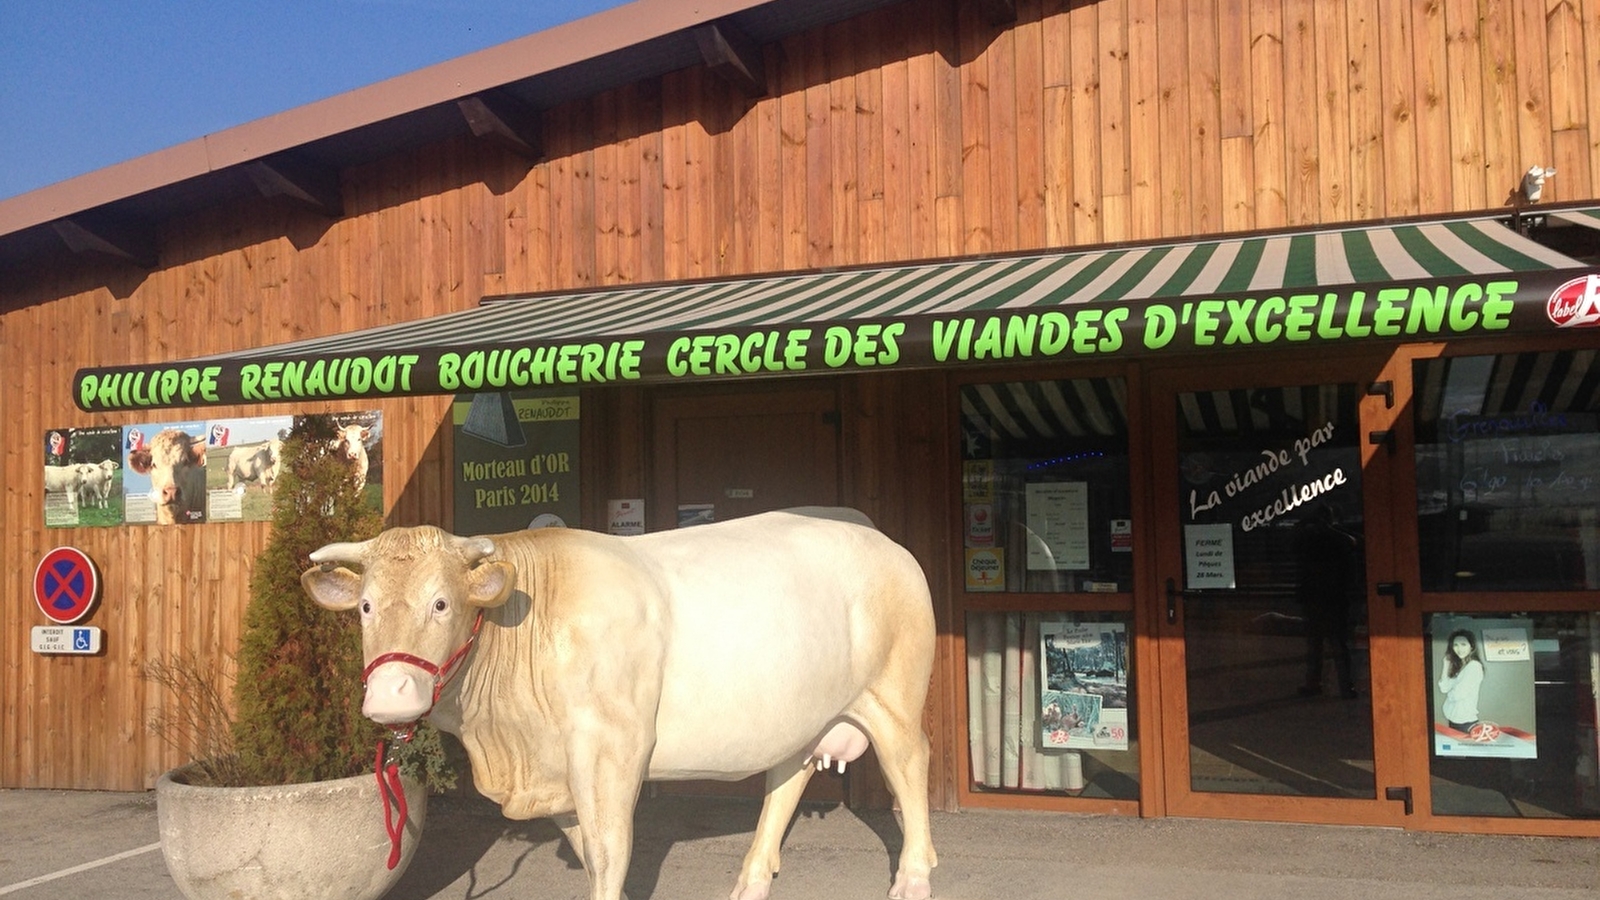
{"type": "Point", "coordinates": [1049, 708]}
{"type": "Point", "coordinates": [1508, 472]}
{"type": "Point", "coordinates": [1045, 498]}
{"type": "Point", "coordinates": [1514, 709]}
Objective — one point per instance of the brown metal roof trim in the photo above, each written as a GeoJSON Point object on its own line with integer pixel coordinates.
{"type": "Point", "coordinates": [544, 51]}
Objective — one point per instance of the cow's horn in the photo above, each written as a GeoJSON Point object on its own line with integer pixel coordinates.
{"type": "Point", "coordinates": [341, 553]}
{"type": "Point", "coordinates": [475, 548]}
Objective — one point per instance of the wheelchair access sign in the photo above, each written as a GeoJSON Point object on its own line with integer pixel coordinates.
{"type": "Point", "coordinates": [72, 639]}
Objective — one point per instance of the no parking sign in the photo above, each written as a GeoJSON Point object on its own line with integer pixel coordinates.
{"type": "Point", "coordinates": [65, 585]}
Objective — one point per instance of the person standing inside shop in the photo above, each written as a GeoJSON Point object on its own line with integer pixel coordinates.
{"type": "Point", "coordinates": [1329, 566]}
{"type": "Point", "coordinates": [1460, 678]}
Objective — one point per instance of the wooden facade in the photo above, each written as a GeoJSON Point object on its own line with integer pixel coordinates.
{"type": "Point", "coordinates": [921, 130]}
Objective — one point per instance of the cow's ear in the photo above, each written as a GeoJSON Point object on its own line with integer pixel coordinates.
{"type": "Point", "coordinates": [197, 451]}
{"type": "Point", "coordinates": [139, 461]}
{"type": "Point", "coordinates": [337, 589]}
{"type": "Point", "coordinates": [490, 584]}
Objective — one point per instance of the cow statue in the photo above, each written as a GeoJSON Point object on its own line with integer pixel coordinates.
{"type": "Point", "coordinates": [776, 643]}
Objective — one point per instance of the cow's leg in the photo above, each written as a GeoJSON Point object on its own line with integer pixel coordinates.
{"type": "Point", "coordinates": [903, 755]}
{"type": "Point", "coordinates": [785, 783]}
{"type": "Point", "coordinates": [569, 827]}
{"type": "Point", "coordinates": [605, 775]}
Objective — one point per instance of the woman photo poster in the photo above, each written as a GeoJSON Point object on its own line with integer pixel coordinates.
{"type": "Point", "coordinates": [1083, 696]}
{"type": "Point", "coordinates": [1482, 674]}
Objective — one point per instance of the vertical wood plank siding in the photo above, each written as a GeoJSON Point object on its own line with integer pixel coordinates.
{"type": "Point", "coordinates": [916, 131]}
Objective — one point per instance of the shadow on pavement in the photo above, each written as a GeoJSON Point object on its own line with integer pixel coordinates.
{"type": "Point", "coordinates": [462, 828]}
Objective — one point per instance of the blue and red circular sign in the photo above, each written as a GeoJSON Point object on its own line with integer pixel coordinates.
{"type": "Point", "coordinates": [65, 585]}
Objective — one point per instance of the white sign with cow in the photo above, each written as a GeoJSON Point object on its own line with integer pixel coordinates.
{"type": "Point", "coordinates": [166, 473]}
{"type": "Point", "coordinates": [778, 643]}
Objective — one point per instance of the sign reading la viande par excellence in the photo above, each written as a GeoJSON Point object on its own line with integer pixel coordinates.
{"type": "Point", "coordinates": [1432, 310]}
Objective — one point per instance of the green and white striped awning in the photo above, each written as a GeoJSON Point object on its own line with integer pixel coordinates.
{"type": "Point", "coordinates": [929, 314]}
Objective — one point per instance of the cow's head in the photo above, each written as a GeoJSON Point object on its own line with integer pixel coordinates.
{"type": "Point", "coordinates": [175, 462]}
{"type": "Point", "coordinates": [420, 593]}
{"type": "Point", "coordinates": [350, 442]}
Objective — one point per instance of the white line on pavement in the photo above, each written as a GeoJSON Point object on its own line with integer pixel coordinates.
{"type": "Point", "coordinates": [24, 885]}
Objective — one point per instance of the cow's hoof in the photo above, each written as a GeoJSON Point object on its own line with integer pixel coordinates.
{"type": "Point", "coordinates": [910, 888]}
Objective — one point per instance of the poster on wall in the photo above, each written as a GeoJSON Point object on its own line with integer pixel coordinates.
{"type": "Point", "coordinates": [1483, 690]}
{"type": "Point", "coordinates": [164, 474]}
{"type": "Point", "coordinates": [243, 460]}
{"type": "Point", "coordinates": [1058, 525]}
{"type": "Point", "coordinates": [1083, 685]}
{"type": "Point", "coordinates": [516, 461]}
{"type": "Point", "coordinates": [186, 473]}
{"type": "Point", "coordinates": [358, 442]}
{"type": "Point", "coordinates": [82, 477]}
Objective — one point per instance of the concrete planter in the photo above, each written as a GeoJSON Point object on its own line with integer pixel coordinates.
{"type": "Point", "coordinates": [311, 841]}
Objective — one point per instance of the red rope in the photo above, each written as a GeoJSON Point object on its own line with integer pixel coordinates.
{"type": "Point", "coordinates": [389, 784]}
{"type": "Point", "coordinates": [394, 800]}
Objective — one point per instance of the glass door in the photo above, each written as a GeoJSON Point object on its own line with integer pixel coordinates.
{"type": "Point", "coordinates": [1272, 541]}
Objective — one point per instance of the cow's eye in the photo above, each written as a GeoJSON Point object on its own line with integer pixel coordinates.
{"type": "Point", "coordinates": [440, 606]}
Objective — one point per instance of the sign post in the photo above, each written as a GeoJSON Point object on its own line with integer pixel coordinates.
{"type": "Point", "coordinates": [65, 586]}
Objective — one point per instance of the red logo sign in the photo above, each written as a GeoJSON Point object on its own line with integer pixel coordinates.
{"type": "Point", "coordinates": [1576, 304]}
{"type": "Point", "coordinates": [65, 585]}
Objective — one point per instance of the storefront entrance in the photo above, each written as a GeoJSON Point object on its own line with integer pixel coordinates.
{"type": "Point", "coordinates": [1278, 598]}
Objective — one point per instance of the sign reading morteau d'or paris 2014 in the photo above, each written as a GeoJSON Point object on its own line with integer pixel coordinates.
{"type": "Point", "coordinates": [1432, 310]}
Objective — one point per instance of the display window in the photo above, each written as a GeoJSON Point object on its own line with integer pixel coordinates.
{"type": "Point", "coordinates": [1508, 471]}
{"type": "Point", "coordinates": [1513, 707]}
{"type": "Point", "coordinates": [1047, 561]}
{"type": "Point", "coordinates": [1044, 487]}
{"type": "Point", "coordinates": [1049, 709]}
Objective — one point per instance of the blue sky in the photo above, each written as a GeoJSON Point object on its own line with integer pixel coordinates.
{"type": "Point", "coordinates": [88, 83]}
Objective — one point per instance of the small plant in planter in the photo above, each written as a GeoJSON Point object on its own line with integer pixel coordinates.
{"type": "Point", "coordinates": [296, 722]}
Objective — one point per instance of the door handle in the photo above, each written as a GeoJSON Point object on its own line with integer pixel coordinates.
{"type": "Point", "coordinates": [1172, 601]}
{"type": "Point", "coordinates": [1393, 589]}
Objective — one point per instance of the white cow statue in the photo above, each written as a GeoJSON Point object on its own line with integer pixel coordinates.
{"type": "Point", "coordinates": [775, 643]}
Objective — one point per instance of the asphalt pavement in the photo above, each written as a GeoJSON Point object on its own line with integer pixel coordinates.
{"type": "Point", "coordinates": [84, 844]}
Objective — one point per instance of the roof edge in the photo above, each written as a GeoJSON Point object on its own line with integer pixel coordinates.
{"type": "Point", "coordinates": [572, 42]}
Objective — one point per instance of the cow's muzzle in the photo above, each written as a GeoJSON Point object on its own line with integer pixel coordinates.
{"type": "Point", "coordinates": [396, 694]}
{"type": "Point", "coordinates": [400, 698]}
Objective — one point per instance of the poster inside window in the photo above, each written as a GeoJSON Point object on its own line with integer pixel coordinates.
{"type": "Point", "coordinates": [1534, 750]}
{"type": "Point", "coordinates": [1083, 697]}
{"type": "Point", "coordinates": [1483, 699]}
{"type": "Point", "coordinates": [1048, 704]}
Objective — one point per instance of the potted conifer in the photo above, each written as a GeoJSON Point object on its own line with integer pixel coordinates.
{"type": "Point", "coordinates": [284, 800]}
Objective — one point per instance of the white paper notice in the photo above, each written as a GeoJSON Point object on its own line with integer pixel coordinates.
{"type": "Point", "coordinates": [1209, 551]}
{"type": "Point", "coordinates": [1058, 517]}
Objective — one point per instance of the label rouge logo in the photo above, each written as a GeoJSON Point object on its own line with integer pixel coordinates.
{"type": "Point", "coordinates": [1576, 304]}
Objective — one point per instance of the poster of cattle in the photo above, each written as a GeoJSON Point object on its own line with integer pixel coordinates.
{"type": "Point", "coordinates": [1083, 697]}
{"type": "Point", "coordinates": [83, 477]}
{"type": "Point", "coordinates": [189, 473]}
